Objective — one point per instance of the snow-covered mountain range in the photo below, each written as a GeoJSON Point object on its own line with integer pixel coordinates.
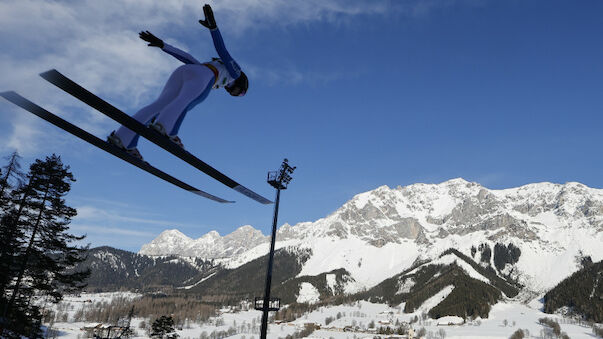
{"type": "Point", "coordinates": [209, 246]}
{"type": "Point", "coordinates": [381, 233]}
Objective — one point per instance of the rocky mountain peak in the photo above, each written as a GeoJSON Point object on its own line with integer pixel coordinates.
{"type": "Point", "coordinates": [167, 243]}
{"type": "Point", "coordinates": [173, 234]}
{"type": "Point", "coordinates": [211, 235]}
{"type": "Point", "coordinates": [400, 225]}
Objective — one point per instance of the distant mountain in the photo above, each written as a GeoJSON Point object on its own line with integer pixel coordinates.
{"type": "Point", "coordinates": [534, 234]}
{"type": "Point", "coordinates": [113, 269]}
{"type": "Point", "coordinates": [581, 293]}
{"type": "Point", "coordinates": [209, 246]}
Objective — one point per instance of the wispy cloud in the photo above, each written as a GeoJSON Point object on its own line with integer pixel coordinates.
{"type": "Point", "coordinates": [292, 76]}
{"type": "Point", "coordinates": [125, 217]}
{"type": "Point", "coordinates": [250, 13]}
{"type": "Point", "coordinates": [83, 200]}
{"type": "Point", "coordinates": [101, 229]}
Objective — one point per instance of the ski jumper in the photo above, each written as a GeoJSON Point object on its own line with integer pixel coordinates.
{"type": "Point", "coordinates": [188, 85]}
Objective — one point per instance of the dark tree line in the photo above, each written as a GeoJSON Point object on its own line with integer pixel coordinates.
{"type": "Point", "coordinates": [581, 292]}
{"type": "Point", "coordinates": [36, 250]}
{"type": "Point", "coordinates": [504, 255]}
{"type": "Point", "coordinates": [139, 272]}
{"type": "Point", "coordinates": [486, 253]}
{"type": "Point", "coordinates": [509, 287]}
{"type": "Point", "coordinates": [229, 286]}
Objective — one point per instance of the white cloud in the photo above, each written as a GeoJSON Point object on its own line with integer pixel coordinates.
{"type": "Point", "coordinates": [79, 200]}
{"type": "Point", "coordinates": [113, 216]}
{"type": "Point", "coordinates": [101, 229]}
{"type": "Point", "coordinates": [27, 140]}
{"type": "Point", "coordinates": [250, 13]}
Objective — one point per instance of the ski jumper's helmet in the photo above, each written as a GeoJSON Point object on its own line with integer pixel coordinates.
{"type": "Point", "coordinates": [238, 88]}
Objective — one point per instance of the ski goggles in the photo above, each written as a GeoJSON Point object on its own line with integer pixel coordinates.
{"type": "Point", "coordinates": [236, 91]}
{"type": "Point", "coordinates": [238, 88]}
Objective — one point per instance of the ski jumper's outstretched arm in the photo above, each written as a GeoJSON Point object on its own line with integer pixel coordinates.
{"type": "Point", "coordinates": [234, 70]}
{"type": "Point", "coordinates": [239, 84]}
{"type": "Point", "coordinates": [169, 49]}
{"type": "Point", "coordinates": [231, 66]}
{"type": "Point", "coordinates": [179, 54]}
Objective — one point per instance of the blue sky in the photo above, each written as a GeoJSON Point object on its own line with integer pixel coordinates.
{"type": "Point", "coordinates": [357, 94]}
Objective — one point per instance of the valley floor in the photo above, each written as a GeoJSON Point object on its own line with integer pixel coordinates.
{"type": "Point", "coordinates": [245, 324]}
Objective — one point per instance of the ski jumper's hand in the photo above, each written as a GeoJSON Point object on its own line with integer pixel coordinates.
{"type": "Point", "coordinates": [210, 21]}
{"type": "Point", "coordinates": [151, 39]}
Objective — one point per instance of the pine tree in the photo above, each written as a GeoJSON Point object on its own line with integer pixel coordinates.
{"type": "Point", "coordinates": [163, 327]}
{"type": "Point", "coordinates": [10, 248]}
{"type": "Point", "coordinates": [43, 265]}
{"type": "Point", "coordinates": [11, 176]}
{"type": "Point", "coordinates": [11, 237]}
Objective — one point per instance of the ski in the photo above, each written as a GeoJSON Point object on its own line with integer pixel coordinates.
{"type": "Point", "coordinates": [82, 134]}
{"type": "Point", "coordinates": [71, 87]}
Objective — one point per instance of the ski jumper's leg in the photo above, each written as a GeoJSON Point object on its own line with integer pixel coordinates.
{"type": "Point", "coordinates": [197, 81]}
{"type": "Point", "coordinates": [170, 91]}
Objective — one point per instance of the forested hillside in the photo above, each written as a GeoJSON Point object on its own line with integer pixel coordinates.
{"type": "Point", "coordinates": [581, 293]}
{"type": "Point", "coordinates": [113, 270]}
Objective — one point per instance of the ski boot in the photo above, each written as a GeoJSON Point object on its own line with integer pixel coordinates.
{"type": "Point", "coordinates": [115, 140]}
{"type": "Point", "coordinates": [159, 128]}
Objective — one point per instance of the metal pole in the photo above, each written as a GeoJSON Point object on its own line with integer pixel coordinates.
{"type": "Point", "coordinates": [264, 328]}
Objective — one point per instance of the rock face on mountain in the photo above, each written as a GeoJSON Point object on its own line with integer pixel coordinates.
{"type": "Point", "coordinates": [381, 233]}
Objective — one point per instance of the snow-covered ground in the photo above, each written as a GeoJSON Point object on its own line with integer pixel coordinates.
{"type": "Point", "coordinates": [246, 324]}
{"type": "Point", "coordinates": [516, 315]}
{"type": "Point", "coordinates": [72, 303]}
{"type": "Point", "coordinates": [308, 293]}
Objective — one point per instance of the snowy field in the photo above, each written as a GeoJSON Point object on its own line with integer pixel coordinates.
{"type": "Point", "coordinates": [246, 324]}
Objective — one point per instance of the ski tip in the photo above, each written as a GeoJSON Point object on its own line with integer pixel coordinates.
{"type": "Point", "coordinates": [49, 73]}
{"type": "Point", "coordinates": [8, 94]}
{"type": "Point", "coordinates": [251, 194]}
{"type": "Point", "coordinates": [211, 197]}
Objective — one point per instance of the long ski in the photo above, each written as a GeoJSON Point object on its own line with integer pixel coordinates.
{"type": "Point", "coordinates": [80, 133]}
{"type": "Point", "coordinates": [71, 87]}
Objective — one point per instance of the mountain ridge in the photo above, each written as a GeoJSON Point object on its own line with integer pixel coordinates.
{"type": "Point", "coordinates": [380, 233]}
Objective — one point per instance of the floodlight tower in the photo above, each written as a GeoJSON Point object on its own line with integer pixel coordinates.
{"type": "Point", "coordinates": [279, 180]}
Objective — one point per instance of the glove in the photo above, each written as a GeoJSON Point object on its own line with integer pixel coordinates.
{"type": "Point", "coordinates": [151, 39]}
{"type": "Point", "coordinates": [209, 21]}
